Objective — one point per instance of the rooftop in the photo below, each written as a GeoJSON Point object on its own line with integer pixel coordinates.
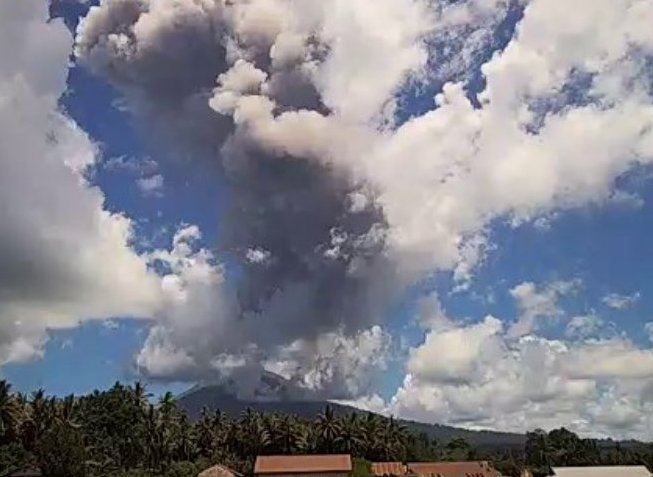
{"type": "Point", "coordinates": [603, 471]}
{"type": "Point", "coordinates": [454, 469]}
{"type": "Point", "coordinates": [388, 469]}
{"type": "Point", "coordinates": [302, 464]}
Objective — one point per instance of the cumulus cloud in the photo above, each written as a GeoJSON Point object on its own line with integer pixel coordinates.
{"type": "Point", "coordinates": [151, 186]}
{"type": "Point", "coordinates": [479, 375]}
{"type": "Point", "coordinates": [538, 303]}
{"type": "Point", "coordinates": [584, 326]}
{"type": "Point", "coordinates": [621, 302]}
{"type": "Point", "coordinates": [63, 257]}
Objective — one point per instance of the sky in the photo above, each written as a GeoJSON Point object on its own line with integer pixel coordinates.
{"type": "Point", "coordinates": [434, 209]}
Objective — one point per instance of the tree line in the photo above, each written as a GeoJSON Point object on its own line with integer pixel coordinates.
{"type": "Point", "coordinates": [121, 433]}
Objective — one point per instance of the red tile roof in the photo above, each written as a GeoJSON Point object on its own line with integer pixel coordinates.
{"type": "Point", "coordinates": [388, 469]}
{"type": "Point", "coordinates": [453, 469]}
{"type": "Point", "coordinates": [302, 464]}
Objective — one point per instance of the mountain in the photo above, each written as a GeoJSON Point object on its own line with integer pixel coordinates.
{"type": "Point", "coordinates": [273, 394]}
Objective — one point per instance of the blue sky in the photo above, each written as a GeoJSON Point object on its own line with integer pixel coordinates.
{"type": "Point", "coordinates": [578, 257]}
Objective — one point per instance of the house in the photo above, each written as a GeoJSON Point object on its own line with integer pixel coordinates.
{"type": "Point", "coordinates": [603, 471]}
{"type": "Point", "coordinates": [219, 471]}
{"type": "Point", "coordinates": [388, 469]}
{"type": "Point", "coordinates": [335, 465]}
{"type": "Point", "coordinates": [453, 469]}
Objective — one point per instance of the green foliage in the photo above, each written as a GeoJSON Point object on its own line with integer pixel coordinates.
{"type": "Point", "coordinates": [14, 456]}
{"type": "Point", "coordinates": [119, 433]}
{"type": "Point", "coordinates": [458, 450]}
{"type": "Point", "coordinates": [361, 468]}
{"type": "Point", "coordinates": [61, 452]}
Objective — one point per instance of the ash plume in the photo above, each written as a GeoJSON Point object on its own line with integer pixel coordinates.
{"type": "Point", "coordinates": [235, 83]}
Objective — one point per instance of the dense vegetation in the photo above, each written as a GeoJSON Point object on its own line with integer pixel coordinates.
{"type": "Point", "coordinates": [120, 433]}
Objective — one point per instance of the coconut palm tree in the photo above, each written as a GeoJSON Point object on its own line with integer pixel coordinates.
{"type": "Point", "coordinates": [10, 413]}
{"type": "Point", "coordinates": [350, 438]}
{"type": "Point", "coordinates": [328, 430]}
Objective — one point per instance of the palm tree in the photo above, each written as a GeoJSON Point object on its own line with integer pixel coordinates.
{"type": "Point", "coordinates": [287, 434]}
{"type": "Point", "coordinates": [10, 412]}
{"type": "Point", "coordinates": [205, 433]}
{"type": "Point", "coordinates": [154, 439]}
{"type": "Point", "coordinates": [167, 405]}
{"type": "Point", "coordinates": [395, 440]}
{"type": "Point", "coordinates": [350, 440]}
{"type": "Point", "coordinates": [40, 415]}
{"type": "Point", "coordinates": [185, 439]}
{"type": "Point", "coordinates": [328, 428]}
{"type": "Point", "coordinates": [305, 440]}
{"type": "Point", "coordinates": [140, 394]}
{"type": "Point", "coordinates": [372, 444]}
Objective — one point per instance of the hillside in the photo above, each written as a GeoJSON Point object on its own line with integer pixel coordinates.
{"type": "Point", "coordinates": [221, 397]}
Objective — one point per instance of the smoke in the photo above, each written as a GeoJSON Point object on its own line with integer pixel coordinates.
{"type": "Point", "coordinates": [333, 209]}
{"type": "Point", "coordinates": [238, 84]}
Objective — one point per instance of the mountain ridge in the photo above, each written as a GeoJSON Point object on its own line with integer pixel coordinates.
{"type": "Point", "coordinates": [219, 396]}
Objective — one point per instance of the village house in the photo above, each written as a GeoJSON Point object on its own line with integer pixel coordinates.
{"type": "Point", "coordinates": [335, 465]}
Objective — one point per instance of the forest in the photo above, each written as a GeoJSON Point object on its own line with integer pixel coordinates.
{"type": "Point", "coordinates": [120, 432]}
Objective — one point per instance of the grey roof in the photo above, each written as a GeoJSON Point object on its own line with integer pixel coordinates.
{"type": "Point", "coordinates": [603, 471]}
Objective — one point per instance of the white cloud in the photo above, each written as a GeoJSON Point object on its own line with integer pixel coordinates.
{"type": "Point", "coordinates": [111, 324]}
{"type": "Point", "coordinates": [584, 326]}
{"type": "Point", "coordinates": [519, 155]}
{"type": "Point", "coordinates": [63, 257]}
{"type": "Point", "coordinates": [517, 158]}
{"type": "Point", "coordinates": [371, 403]}
{"type": "Point", "coordinates": [151, 186]}
{"type": "Point", "coordinates": [138, 165]}
{"type": "Point", "coordinates": [517, 384]}
{"type": "Point", "coordinates": [538, 303]}
{"type": "Point", "coordinates": [621, 302]}
{"type": "Point", "coordinates": [257, 255]}
{"type": "Point", "coordinates": [373, 49]}
{"type": "Point", "coordinates": [649, 329]}
{"type": "Point", "coordinates": [454, 355]}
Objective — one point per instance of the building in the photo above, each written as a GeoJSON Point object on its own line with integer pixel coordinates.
{"type": "Point", "coordinates": [388, 469]}
{"type": "Point", "coordinates": [335, 465]}
{"type": "Point", "coordinates": [219, 471]}
{"type": "Point", "coordinates": [453, 469]}
{"type": "Point", "coordinates": [603, 471]}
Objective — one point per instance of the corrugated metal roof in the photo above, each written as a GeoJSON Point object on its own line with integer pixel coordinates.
{"type": "Point", "coordinates": [453, 469]}
{"type": "Point", "coordinates": [603, 471]}
{"type": "Point", "coordinates": [381, 469]}
{"type": "Point", "coordinates": [296, 464]}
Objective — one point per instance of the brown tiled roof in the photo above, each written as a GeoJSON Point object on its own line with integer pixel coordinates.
{"type": "Point", "coordinates": [452, 469]}
{"type": "Point", "coordinates": [302, 464]}
{"type": "Point", "coordinates": [388, 469]}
